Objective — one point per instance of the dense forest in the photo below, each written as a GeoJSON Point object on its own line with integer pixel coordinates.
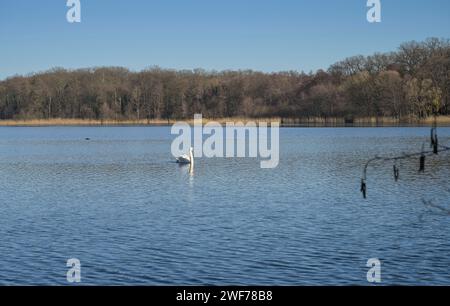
{"type": "Point", "coordinates": [413, 82]}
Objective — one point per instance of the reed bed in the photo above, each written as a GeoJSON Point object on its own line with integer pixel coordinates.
{"type": "Point", "coordinates": [287, 122]}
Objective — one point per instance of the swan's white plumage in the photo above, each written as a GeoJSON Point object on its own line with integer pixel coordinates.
{"type": "Point", "coordinates": [186, 159]}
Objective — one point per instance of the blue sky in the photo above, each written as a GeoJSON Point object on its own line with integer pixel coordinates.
{"type": "Point", "coordinates": [266, 35]}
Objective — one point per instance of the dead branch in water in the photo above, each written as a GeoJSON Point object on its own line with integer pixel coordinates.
{"type": "Point", "coordinates": [436, 148]}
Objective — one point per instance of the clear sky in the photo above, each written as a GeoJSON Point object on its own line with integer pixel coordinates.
{"type": "Point", "coordinates": [267, 35]}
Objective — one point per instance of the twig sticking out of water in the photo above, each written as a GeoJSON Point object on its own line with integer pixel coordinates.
{"type": "Point", "coordinates": [436, 149]}
{"type": "Point", "coordinates": [430, 204]}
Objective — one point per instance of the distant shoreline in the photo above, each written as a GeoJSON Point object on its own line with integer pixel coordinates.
{"type": "Point", "coordinates": [284, 122]}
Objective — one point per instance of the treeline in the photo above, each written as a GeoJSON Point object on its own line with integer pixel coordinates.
{"type": "Point", "coordinates": [414, 82]}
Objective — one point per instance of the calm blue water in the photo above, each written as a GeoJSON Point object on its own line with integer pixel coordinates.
{"type": "Point", "coordinates": [131, 215]}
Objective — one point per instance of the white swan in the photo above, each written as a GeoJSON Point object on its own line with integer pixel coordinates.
{"type": "Point", "coordinates": [185, 159]}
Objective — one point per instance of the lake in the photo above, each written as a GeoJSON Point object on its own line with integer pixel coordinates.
{"type": "Point", "coordinates": [119, 204]}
